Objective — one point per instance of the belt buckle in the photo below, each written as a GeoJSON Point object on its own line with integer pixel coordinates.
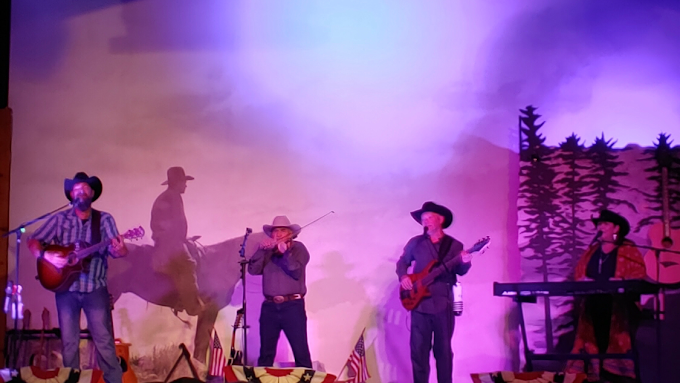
{"type": "Point", "coordinates": [279, 299]}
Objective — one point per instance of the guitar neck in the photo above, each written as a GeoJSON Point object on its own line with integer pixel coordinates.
{"type": "Point", "coordinates": [81, 254]}
{"type": "Point", "coordinates": [434, 273]}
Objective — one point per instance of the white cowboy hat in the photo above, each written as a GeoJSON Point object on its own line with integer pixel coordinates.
{"type": "Point", "coordinates": [281, 221]}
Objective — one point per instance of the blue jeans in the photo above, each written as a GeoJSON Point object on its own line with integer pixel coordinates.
{"type": "Point", "coordinates": [425, 328]}
{"type": "Point", "coordinates": [98, 313]}
{"type": "Point", "coordinates": [292, 319]}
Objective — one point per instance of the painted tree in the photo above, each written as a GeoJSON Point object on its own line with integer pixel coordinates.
{"type": "Point", "coordinates": [604, 177]}
{"type": "Point", "coordinates": [573, 190]}
{"type": "Point", "coordinates": [574, 200]}
{"type": "Point", "coordinates": [538, 202]}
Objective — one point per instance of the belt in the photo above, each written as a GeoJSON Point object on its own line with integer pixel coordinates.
{"type": "Point", "coordinates": [283, 298]}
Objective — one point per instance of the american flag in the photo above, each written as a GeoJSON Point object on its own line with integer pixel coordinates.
{"type": "Point", "coordinates": [357, 363]}
{"type": "Point", "coordinates": [217, 360]}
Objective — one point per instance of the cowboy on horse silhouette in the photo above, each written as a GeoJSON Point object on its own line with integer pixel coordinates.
{"type": "Point", "coordinates": [169, 233]}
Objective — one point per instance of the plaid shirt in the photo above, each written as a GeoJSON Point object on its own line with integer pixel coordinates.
{"type": "Point", "coordinates": [65, 228]}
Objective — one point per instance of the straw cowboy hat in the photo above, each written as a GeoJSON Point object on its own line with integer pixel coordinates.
{"type": "Point", "coordinates": [281, 221]}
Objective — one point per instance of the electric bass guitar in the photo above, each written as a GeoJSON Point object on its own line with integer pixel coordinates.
{"type": "Point", "coordinates": [58, 279]}
{"type": "Point", "coordinates": [236, 356]}
{"type": "Point", "coordinates": [411, 298]}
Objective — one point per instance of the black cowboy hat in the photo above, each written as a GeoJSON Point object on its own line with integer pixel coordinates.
{"type": "Point", "coordinates": [94, 182]}
{"type": "Point", "coordinates": [434, 208]}
{"type": "Point", "coordinates": [616, 219]}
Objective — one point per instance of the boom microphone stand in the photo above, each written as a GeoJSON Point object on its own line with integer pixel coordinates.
{"type": "Point", "coordinates": [244, 262]}
{"type": "Point", "coordinates": [13, 300]}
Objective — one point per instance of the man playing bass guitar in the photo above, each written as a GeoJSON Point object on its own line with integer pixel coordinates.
{"type": "Point", "coordinates": [88, 292]}
{"type": "Point", "coordinates": [434, 314]}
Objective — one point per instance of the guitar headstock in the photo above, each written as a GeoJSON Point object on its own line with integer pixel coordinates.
{"type": "Point", "coordinates": [136, 233]}
{"type": "Point", "coordinates": [239, 318]}
{"type": "Point", "coordinates": [481, 245]}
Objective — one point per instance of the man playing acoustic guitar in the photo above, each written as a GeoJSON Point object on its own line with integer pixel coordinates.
{"type": "Point", "coordinates": [88, 292]}
{"type": "Point", "coordinates": [434, 314]}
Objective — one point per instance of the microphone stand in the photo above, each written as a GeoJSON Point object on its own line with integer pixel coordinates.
{"type": "Point", "coordinates": [13, 300]}
{"type": "Point", "coordinates": [244, 262]}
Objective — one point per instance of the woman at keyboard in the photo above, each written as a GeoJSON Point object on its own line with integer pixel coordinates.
{"type": "Point", "coordinates": [605, 321]}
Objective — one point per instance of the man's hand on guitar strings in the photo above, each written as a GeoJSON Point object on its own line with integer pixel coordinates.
{"type": "Point", "coordinates": [406, 283]}
{"type": "Point", "coordinates": [58, 261]}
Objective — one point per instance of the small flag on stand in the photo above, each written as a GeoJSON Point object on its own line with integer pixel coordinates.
{"type": "Point", "coordinates": [217, 360]}
{"type": "Point", "coordinates": [356, 364]}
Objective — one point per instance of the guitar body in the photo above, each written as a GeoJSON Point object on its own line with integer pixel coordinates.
{"type": "Point", "coordinates": [56, 279]}
{"type": "Point", "coordinates": [78, 259]}
{"type": "Point", "coordinates": [411, 298]}
{"type": "Point", "coordinates": [236, 358]}
{"type": "Point", "coordinates": [669, 263]}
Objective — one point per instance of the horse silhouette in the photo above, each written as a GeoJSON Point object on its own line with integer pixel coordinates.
{"type": "Point", "coordinates": [217, 272]}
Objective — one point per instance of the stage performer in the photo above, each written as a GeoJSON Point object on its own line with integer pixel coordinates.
{"type": "Point", "coordinates": [605, 322]}
{"type": "Point", "coordinates": [433, 317]}
{"type": "Point", "coordinates": [282, 261]}
{"type": "Point", "coordinates": [88, 292]}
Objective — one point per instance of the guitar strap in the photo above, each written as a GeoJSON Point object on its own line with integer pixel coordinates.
{"type": "Point", "coordinates": [96, 226]}
{"type": "Point", "coordinates": [444, 247]}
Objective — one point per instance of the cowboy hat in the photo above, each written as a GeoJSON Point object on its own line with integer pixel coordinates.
{"type": "Point", "coordinates": [616, 219]}
{"type": "Point", "coordinates": [94, 182]}
{"type": "Point", "coordinates": [175, 175]}
{"type": "Point", "coordinates": [434, 208]}
{"type": "Point", "coordinates": [281, 221]}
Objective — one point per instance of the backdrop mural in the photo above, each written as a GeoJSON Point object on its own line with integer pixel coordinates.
{"type": "Point", "coordinates": [561, 188]}
{"type": "Point", "coordinates": [297, 109]}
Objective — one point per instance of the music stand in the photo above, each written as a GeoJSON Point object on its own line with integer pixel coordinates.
{"type": "Point", "coordinates": [13, 300]}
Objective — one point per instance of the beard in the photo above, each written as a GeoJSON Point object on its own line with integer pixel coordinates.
{"type": "Point", "coordinates": [82, 203]}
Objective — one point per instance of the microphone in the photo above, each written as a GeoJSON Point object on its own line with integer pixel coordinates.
{"type": "Point", "coordinates": [249, 230]}
{"type": "Point", "coordinates": [457, 299]}
{"type": "Point", "coordinates": [596, 239]}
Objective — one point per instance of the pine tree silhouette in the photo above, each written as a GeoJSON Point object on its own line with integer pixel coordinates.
{"type": "Point", "coordinates": [603, 176]}
{"type": "Point", "coordinates": [573, 191]}
{"type": "Point", "coordinates": [573, 195]}
{"type": "Point", "coordinates": [538, 197]}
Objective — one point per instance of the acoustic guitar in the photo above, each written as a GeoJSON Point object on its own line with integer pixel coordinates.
{"type": "Point", "coordinates": [236, 356]}
{"type": "Point", "coordinates": [58, 279]}
{"type": "Point", "coordinates": [411, 298]}
{"type": "Point", "coordinates": [665, 269]}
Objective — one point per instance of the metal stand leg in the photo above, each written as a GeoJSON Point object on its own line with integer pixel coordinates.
{"type": "Point", "coordinates": [529, 365]}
